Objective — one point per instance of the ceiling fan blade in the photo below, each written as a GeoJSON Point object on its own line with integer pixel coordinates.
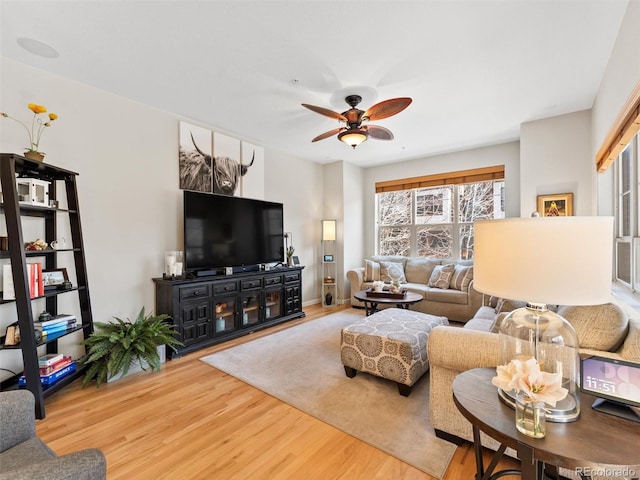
{"type": "Point", "coordinates": [331, 133]}
{"type": "Point", "coordinates": [326, 112]}
{"type": "Point", "coordinates": [379, 133]}
{"type": "Point", "coordinates": [387, 108]}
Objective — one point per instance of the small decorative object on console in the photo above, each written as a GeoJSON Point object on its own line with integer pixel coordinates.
{"type": "Point", "coordinates": [173, 263]}
{"type": "Point", "coordinates": [290, 251]}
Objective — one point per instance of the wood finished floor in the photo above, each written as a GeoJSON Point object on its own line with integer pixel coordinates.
{"type": "Point", "coordinates": [191, 421]}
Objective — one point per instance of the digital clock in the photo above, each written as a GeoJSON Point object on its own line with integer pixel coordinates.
{"type": "Point", "coordinates": [614, 380]}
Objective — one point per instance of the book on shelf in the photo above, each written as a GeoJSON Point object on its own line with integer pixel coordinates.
{"type": "Point", "coordinates": [36, 285]}
{"type": "Point", "coordinates": [49, 359]}
{"type": "Point", "coordinates": [48, 370]}
{"type": "Point", "coordinates": [57, 328]}
{"type": "Point", "coordinates": [63, 318]}
{"type": "Point", "coordinates": [34, 279]}
{"type": "Point", "coordinates": [52, 377]}
{"type": "Point", "coordinates": [8, 291]}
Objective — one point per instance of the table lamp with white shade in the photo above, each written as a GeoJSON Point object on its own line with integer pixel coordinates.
{"type": "Point", "coordinates": [545, 261]}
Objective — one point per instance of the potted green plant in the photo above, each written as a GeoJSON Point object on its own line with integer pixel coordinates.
{"type": "Point", "coordinates": [114, 347]}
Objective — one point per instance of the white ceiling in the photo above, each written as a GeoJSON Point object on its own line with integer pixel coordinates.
{"type": "Point", "coordinates": [475, 69]}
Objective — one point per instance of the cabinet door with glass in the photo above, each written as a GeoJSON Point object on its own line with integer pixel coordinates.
{"type": "Point", "coordinates": [272, 304]}
{"type": "Point", "coordinates": [224, 317]}
{"type": "Point", "coordinates": [250, 310]}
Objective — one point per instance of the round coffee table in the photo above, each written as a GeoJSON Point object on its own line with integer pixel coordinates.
{"type": "Point", "coordinates": [371, 303]}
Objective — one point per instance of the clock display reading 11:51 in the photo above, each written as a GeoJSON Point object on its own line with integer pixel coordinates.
{"type": "Point", "coordinates": [615, 379]}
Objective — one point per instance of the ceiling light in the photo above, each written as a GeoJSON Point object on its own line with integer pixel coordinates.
{"type": "Point", "coordinates": [38, 48]}
{"type": "Point", "coordinates": [353, 137]}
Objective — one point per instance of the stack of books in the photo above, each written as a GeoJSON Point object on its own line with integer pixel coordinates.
{"type": "Point", "coordinates": [36, 283]}
{"type": "Point", "coordinates": [53, 367]}
{"type": "Point", "coordinates": [57, 324]}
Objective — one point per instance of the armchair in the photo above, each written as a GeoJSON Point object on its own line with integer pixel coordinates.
{"type": "Point", "coordinates": [25, 456]}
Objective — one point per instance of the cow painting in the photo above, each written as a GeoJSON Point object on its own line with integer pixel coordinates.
{"type": "Point", "coordinates": [199, 171]}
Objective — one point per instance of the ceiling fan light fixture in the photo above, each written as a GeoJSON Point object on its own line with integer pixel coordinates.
{"type": "Point", "coordinates": [354, 137]}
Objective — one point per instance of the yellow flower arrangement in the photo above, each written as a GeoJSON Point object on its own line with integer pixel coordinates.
{"type": "Point", "coordinates": [38, 125]}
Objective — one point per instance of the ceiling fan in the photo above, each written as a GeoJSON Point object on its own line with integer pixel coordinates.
{"type": "Point", "coordinates": [354, 132]}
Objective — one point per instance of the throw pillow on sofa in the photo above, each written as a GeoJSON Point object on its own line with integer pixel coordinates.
{"type": "Point", "coordinates": [419, 270]}
{"type": "Point", "coordinates": [599, 327]}
{"type": "Point", "coordinates": [441, 276]}
{"type": "Point", "coordinates": [461, 277]}
{"type": "Point", "coordinates": [371, 271]}
{"type": "Point", "coordinates": [390, 271]}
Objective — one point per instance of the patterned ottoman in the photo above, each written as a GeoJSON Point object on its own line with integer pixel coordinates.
{"type": "Point", "coordinates": [391, 344]}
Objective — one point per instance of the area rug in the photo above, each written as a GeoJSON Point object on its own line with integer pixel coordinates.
{"type": "Point", "coordinates": [301, 366]}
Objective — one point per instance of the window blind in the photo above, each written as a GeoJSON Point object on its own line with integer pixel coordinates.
{"type": "Point", "coordinates": [450, 178]}
{"type": "Point", "coordinates": [624, 129]}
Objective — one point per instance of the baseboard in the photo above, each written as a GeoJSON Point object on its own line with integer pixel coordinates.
{"type": "Point", "coordinates": [315, 301]}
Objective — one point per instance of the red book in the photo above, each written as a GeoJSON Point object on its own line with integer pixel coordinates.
{"type": "Point", "coordinates": [40, 281]}
{"type": "Point", "coordinates": [32, 279]}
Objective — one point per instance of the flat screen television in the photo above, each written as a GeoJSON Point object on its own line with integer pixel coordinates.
{"type": "Point", "coordinates": [226, 231]}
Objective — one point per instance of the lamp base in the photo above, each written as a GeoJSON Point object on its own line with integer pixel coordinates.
{"type": "Point", "coordinates": [565, 411]}
{"type": "Point", "coordinates": [536, 332]}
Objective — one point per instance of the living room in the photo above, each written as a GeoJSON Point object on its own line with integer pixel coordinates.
{"type": "Point", "coordinates": [126, 152]}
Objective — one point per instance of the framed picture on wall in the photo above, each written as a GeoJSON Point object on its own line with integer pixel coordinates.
{"type": "Point", "coordinates": [558, 205]}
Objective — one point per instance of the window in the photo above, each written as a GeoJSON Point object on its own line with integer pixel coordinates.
{"type": "Point", "coordinates": [436, 221]}
{"type": "Point", "coordinates": [627, 191]}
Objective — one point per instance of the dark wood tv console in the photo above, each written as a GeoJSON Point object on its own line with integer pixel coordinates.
{"type": "Point", "coordinates": [210, 310]}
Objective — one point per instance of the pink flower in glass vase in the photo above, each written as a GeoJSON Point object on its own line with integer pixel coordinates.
{"type": "Point", "coordinates": [524, 376]}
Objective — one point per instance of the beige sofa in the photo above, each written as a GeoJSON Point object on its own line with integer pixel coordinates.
{"type": "Point", "coordinates": [453, 297]}
{"type": "Point", "coordinates": [611, 330]}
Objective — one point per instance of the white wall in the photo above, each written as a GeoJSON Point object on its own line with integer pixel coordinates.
{"type": "Point", "coordinates": [344, 202]}
{"type": "Point", "coordinates": [298, 185]}
{"type": "Point", "coordinates": [333, 200]}
{"type": "Point", "coordinates": [555, 157]}
{"type": "Point", "coordinates": [620, 78]}
{"type": "Point", "coordinates": [354, 215]}
{"type": "Point", "coordinates": [131, 207]}
{"type": "Point", "coordinates": [506, 154]}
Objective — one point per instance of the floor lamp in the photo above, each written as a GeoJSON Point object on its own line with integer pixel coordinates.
{"type": "Point", "coordinates": [329, 263]}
